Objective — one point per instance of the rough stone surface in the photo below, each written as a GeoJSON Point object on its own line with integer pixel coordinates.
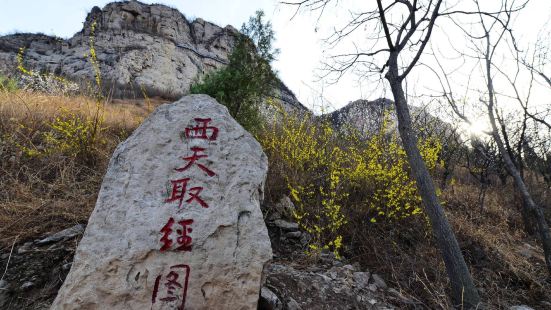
{"type": "Point", "coordinates": [378, 281]}
{"type": "Point", "coordinates": [119, 260]}
{"type": "Point", "coordinates": [63, 235]}
{"type": "Point", "coordinates": [286, 225]}
{"type": "Point", "coordinates": [269, 300]}
{"type": "Point", "coordinates": [318, 288]}
{"type": "Point", "coordinates": [361, 279]}
{"type": "Point", "coordinates": [40, 265]}
{"type": "Point", "coordinates": [138, 46]}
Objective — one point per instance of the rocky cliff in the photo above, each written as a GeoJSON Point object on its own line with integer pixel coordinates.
{"type": "Point", "coordinates": [154, 48]}
{"type": "Point", "coordinates": [366, 117]}
{"type": "Point", "coordinates": [139, 47]}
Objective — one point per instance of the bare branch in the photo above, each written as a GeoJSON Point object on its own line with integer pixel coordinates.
{"type": "Point", "coordinates": [385, 25]}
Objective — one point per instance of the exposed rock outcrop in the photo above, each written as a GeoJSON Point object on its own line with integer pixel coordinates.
{"type": "Point", "coordinates": [367, 117]}
{"type": "Point", "coordinates": [139, 47]}
{"type": "Point", "coordinates": [362, 115]}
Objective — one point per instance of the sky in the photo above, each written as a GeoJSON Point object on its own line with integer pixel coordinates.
{"type": "Point", "coordinates": [299, 38]}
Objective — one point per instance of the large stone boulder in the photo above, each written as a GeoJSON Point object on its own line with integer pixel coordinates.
{"type": "Point", "coordinates": [177, 222]}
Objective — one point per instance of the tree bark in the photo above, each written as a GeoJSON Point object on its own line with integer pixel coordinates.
{"type": "Point", "coordinates": [464, 293]}
{"type": "Point", "coordinates": [533, 208]}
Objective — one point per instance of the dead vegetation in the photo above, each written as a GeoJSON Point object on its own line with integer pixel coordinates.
{"type": "Point", "coordinates": [507, 265]}
{"type": "Point", "coordinates": [46, 189]}
{"type": "Point", "coordinates": [46, 186]}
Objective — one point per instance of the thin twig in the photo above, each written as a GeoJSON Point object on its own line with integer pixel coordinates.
{"type": "Point", "coordinates": [9, 258]}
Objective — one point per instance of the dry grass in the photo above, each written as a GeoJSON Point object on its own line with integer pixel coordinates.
{"type": "Point", "coordinates": [51, 191]}
{"type": "Point", "coordinates": [507, 265]}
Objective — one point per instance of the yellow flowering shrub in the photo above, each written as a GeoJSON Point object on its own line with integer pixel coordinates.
{"type": "Point", "coordinates": [381, 172]}
{"type": "Point", "coordinates": [315, 168]}
{"type": "Point", "coordinates": [332, 177]}
{"type": "Point", "coordinates": [72, 134]}
{"type": "Point", "coordinates": [94, 59]}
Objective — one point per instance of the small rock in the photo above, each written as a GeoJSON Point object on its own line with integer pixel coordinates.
{"type": "Point", "coordinates": [379, 282]}
{"type": "Point", "coordinates": [269, 300]}
{"type": "Point", "coordinates": [293, 304]}
{"type": "Point", "coordinates": [327, 257]}
{"type": "Point", "coordinates": [66, 267]}
{"type": "Point", "coordinates": [372, 287]}
{"type": "Point", "coordinates": [24, 248]}
{"type": "Point", "coordinates": [274, 216]}
{"type": "Point", "coordinates": [361, 279]}
{"type": "Point", "coordinates": [286, 225]}
{"type": "Point", "coordinates": [348, 268]}
{"type": "Point", "coordinates": [521, 307]}
{"type": "Point", "coordinates": [27, 285]}
{"type": "Point", "coordinates": [293, 234]}
{"type": "Point", "coordinates": [527, 253]}
{"type": "Point", "coordinates": [3, 284]}
{"type": "Point", "coordinates": [337, 263]}
{"type": "Point", "coordinates": [285, 207]}
{"type": "Point", "coordinates": [63, 235]}
{"type": "Point", "coordinates": [305, 239]}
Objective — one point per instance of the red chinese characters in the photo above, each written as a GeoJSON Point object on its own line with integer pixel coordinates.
{"type": "Point", "coordinates": [172, 287]}
{"type": "Point", "coordinates": [179, 191]}
{"type": "Point", "coordinates": [197, 154]}
{"type": "Point", "coordinates": [182, 238]}
{"type": "Point", "coordinates": [176, 234]}
{"type": "Point", "coordinates": [202, 130]}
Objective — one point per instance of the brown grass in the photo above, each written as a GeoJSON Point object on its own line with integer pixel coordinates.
{"type": "Point", "coordinates": [507, 265]}
{"type": "Point", "coordinates": [45, 193]}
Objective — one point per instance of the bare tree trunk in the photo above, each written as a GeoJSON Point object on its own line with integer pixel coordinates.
{"type": "Point", "coordinates": [533, 208]}
{"type": "Point", "coordinates": [527, 220]}
{"type": "Point", "coordinates": [464, 292]}
{"type": "Point", "coordinates": [482, 196]}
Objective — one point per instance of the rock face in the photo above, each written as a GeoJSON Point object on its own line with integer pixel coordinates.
{"type": "Point", "coordinates": [139, 47]}
{"type": "Point", "coordinates": [362, 115]}
{"type": "Point", "coordinates": [322, 288]}
{"type": "Point", "coordinates": [366, 118]}
{"type": "Point", "coordinates": [177, 222]}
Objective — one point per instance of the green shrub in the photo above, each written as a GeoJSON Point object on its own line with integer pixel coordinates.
{"type": "Point", "coordinates": [8, 84]}
{"type": "Point", "coordinates": [248, 78]}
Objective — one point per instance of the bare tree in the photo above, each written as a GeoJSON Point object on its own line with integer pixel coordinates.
{"type": "Point", "coordinates": [494, 31]}
{"type": "Point", "coordinates": [403, 29]}
{"type": "Point", "coordinates": [541, 58]}
{"type": "Point", "coordinates": [481, 161]}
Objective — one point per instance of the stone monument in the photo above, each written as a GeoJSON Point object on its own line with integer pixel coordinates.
{"type": "Point", "coordinates": [177, 223]}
